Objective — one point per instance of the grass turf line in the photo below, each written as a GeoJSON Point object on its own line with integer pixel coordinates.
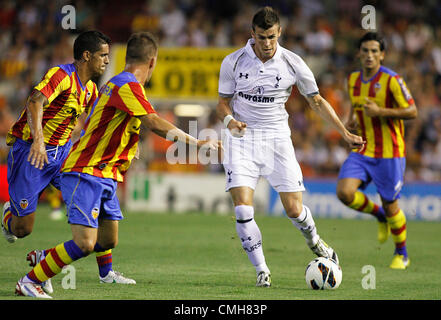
{"type": "Point", "coordinates": [198, 256]}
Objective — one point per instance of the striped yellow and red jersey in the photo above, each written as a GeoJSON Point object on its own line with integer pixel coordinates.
{"type": "Point", "coordinates": [67, 99]}
{"type": "Point", "coordinates": [111, 135]}
{"type": "Point", "coordinates": [384, 136]}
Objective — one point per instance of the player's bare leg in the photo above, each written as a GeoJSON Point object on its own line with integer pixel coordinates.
{"type": "Point", "coordinates": [84, 237]}
{"type": "Point", "coordinates": [108, 233]}
{"type": "Point", "coordinates": [301, 217]}
{"type": "Point", "coordinates": [249, 233]}
{"type": "Point", "coordinates": [346, 189]}
{"type": "Point", "coordinates": [107, 240]}
{"type": "Point", "coordinates": [242, 196]}
{"type": "Point", "coordinates": [23, 226]}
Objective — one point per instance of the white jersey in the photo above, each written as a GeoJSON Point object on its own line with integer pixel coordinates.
{"type": "Point", "coordinates": [260, 90]}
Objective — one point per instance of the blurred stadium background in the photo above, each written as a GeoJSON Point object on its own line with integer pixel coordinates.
{"type": "Point", "coordinates": [194, 37]}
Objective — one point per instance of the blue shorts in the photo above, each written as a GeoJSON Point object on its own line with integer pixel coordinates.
{"type": "Point", "coordinates": [387, 174]}
{"type": "Point", "coordinates": [88, 198]}
{"type": "Point", "coordinates": [26, 183]}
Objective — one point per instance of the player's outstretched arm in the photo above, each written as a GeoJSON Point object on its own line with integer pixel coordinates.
{"type": "Point", "coordinates": [34, 108]}
{"type": "Point", "coordinates": [167, 130]}
{"type": "Point", "coordinates": [223, 111]}
{"type": "Point", "coordinates": [325, 110]}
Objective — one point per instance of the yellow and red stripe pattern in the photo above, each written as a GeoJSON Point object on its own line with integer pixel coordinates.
{"type": "Point", "coordinates": [112, 129]}
{"type": "Point", "coordinates": [363, 204]}
{"type": "Point", "coordinates": [384, 136]}
{"type": "Point", "coordinates": [53, 263]}
{"type": "Point", "coordinates": [67, 99]}
{"type": "Point", "coordinates": [105, 255]}
{"type": "Point", "coordinates": [104, 261]}
{"type": "Point", "coordinates": [6, 221]}
{"type": "Point", "coordinates": [397, 225]}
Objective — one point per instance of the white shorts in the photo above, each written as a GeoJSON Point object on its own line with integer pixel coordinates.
{"type": "Point", "coordinates": [247, 159]}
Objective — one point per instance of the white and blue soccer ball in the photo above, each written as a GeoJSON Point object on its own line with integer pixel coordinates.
{"type": "Point", "coordinates": [322, 273]}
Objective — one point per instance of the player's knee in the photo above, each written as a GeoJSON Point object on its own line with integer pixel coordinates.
{"type": "Point", "coordinates": [109, 244]}
{"type": "Point", "coordinates": [294, 210]}
{"type": "Point", "coordinates": [86, 245]}
{"type": "Point", "coordinates": [21, 231]}
{"type": "Point", "coordinates": [345, 196]}
{"type": "Point", "coordinates": [391, 208]}
{"type": "Point", "coordinates": [22, 226]}
{"type": "Point", "coordinates": [113, 244]}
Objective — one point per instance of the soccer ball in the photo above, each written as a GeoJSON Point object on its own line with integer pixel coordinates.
{"type": "Point", "coordinates": [322, 273]}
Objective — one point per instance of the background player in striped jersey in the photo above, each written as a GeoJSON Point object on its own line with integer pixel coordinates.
{"type": "Point", "coordinates": [99, 160]}
{"type": "Point", "coordinates": [380, 102]}
{"type": "Point", "coordinates": [41, 137]}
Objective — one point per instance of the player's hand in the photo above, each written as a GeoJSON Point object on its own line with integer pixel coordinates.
{"type": "Point", "coordinates": [371, 109]}
{"type": "Point", "coordinates": [37, 155]}
{"type": "Point", "coordinates": [209, 145]}
{"type": "Point", "coordinates": [354, 141]}
{"type": "Point", "coordinates": [237, 128]}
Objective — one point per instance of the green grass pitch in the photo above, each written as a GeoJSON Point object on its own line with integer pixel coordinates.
{"type": "Point", "coordinates": [198, 257]}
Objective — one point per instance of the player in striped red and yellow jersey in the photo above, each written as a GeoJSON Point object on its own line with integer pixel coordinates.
{"type": "Point", "coordinates": [111, 135]}
{"type": "Point", "coordinates": [100, 159]}
{"type": "Point", "coordinates": [380, 102]}
{"type": "Point", "coordinates": [41, 137]}
{"type": "Point", "coordinates": [384, 136]}
{"type": "Point", "coordinates": [67, 98]}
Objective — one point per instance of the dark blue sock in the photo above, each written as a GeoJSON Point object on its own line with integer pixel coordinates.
{"type": "Point", "coordinates": [402, 251]}
{"type": "Point", "coordinates": [381, 215]}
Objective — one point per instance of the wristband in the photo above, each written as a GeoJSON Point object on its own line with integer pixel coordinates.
{"type": "Point", "coordinates": [227, 120]}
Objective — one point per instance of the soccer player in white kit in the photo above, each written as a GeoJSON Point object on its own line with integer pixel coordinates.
{"type": "Point", "coordinates": [254, 84]}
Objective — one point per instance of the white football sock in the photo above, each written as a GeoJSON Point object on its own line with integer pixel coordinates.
{"type": "Point", "coordinates": [250, 236]}
{"type": "Point", "coordinates": [305, 223]}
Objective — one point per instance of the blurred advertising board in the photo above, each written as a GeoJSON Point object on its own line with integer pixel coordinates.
{"type": "Point", "coordinates": [180, 73]}
{"type": "Point", "coordinates": [419, 201]}
{"type": "Point", "coordinates": [184, 192]}
{"type": "Point", "coordinates": [190, 192]}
